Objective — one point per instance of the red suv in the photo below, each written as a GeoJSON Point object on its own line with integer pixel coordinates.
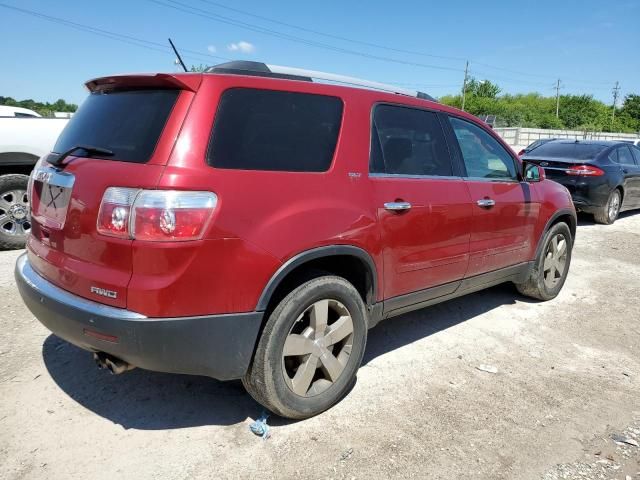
{"type": "Point", "coordinates": [252, 223]}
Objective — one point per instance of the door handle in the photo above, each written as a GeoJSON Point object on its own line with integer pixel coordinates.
{"type": "Point", "coordinates": [397, 206]}
{"type": "Point", "coordinates": [486, 203]}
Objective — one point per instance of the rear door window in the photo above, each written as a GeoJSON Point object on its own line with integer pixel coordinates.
{"type": "Point", "coordinates": [128, 123]}
{"type": "Point", "coordinates": [408, 141]}
{"type": "Point", "coordinates": [273, 130]}
{"type": "Point", "coordinates": [624, 156]}
{"type": "Point", "coordinates": [636, 154]}
{"type": "Point", "coordinates": [483, 155]}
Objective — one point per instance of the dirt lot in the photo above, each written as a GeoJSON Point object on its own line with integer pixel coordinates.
{"type": "Point", "coordinates": [568, 379]}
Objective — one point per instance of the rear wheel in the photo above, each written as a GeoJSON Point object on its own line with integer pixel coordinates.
{"type": "Point", "coordinates": [310, 349]}
{"type": "Point", "coordinates": [15, 223]}
{"type": "Point", "coordinates": [551, 266]}
{"type": "Point", "coordinates": [608, 214]}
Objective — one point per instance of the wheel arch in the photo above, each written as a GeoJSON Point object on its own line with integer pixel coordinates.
{"type": "Point", "coordinates": [565, 215]}
{"type": "Point", "coordinates": [352, 263]}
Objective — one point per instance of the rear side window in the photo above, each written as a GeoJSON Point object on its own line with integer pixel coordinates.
{"type": "Point", "coordinates": [128, 123]}
{"type": "Point", "coordinates": [636, 154]}
{"type": "Point", "coordinates": [569, 150]}
{"type": "Point", "coordinates": [408, 141]}
{"type": "Point", "coordinates": [272, 130]}
{"type": "Point", "coordinates": [483, 155]}
{"type": "Point", "coordinates": [624, 156]}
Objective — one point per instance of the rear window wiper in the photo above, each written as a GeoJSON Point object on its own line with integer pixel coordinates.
{"type": "Point", "coordinates": [90, 149]}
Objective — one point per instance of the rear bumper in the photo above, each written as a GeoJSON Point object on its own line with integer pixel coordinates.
{"type": "Point", "coordinates": [218, 346]}
{"type": "Point", "coordinates": [588, 194]}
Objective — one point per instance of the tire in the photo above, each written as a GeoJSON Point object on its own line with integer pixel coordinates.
{"type": "Point", "coordinates": [607, 215]}
{"type": "Point", "coordinates": [307, 380]}
{"type": "Point", "coordinates": [15, 223]}
{"type": "Point", "coordinates": [550, 269]}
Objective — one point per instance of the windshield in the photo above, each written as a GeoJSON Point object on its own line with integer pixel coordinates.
{"type": "Point", "coordinates": [128, 123]}
{"type": "Point", "coordinates": [573, 150]}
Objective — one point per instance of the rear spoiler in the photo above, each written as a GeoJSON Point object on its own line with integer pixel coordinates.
{"type": "Point", "coordinates": [189, 82]}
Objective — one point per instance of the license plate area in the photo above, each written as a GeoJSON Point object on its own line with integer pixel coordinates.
{"type": "Point", "coordinates": [50, 195]}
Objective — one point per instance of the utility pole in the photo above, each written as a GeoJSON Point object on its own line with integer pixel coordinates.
{"type": "Point", "coordinates": [464, 84]}
{"type": "Point", "coordinates": [558, 98]}
{"type": "Point", "coordinates": [616, 92]}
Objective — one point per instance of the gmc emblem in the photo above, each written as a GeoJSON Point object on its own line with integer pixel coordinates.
{"type": "Point", "coordinates": [103, 292]}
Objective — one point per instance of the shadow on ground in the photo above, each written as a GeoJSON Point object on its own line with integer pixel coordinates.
{"type": "Point", "coordinates": [586, 220]}
{"type": "Point", "coordinates": [146, 400]}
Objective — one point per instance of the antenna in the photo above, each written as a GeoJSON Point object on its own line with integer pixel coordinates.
{"type": "Point", "coordinates": [178, 55]}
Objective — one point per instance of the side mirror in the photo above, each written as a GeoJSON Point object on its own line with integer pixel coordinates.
{"type": "Point", "coordinates": [533, 173]}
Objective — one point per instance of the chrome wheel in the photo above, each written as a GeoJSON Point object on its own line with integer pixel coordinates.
{"type": "Point", "coordinates": [14, 213]}
{"type": "Point", "coordinates": [317, 348]}
{"type": "Point", "coordinates": [555, 261]}
{"type": "Point", "coordinates": [614, 205]}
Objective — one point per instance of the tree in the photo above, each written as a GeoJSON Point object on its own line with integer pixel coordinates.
{"type": "Point", "coordinates": [198, 68]}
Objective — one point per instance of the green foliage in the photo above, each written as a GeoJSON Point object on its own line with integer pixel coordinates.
{"type": "Point", "coordinates": [198, 68]}
{"type": "Point", "coordinates": [45, 109]}
{"type": "Point", "coordinates": [577, 112]}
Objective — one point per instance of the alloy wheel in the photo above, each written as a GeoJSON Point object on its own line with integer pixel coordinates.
{"type": "Point", "coordinates": [14, 213]}
{"type": "Point", "coordinates": [614, 205]}
{"type": "Point", "coordinates": [555, 260]}
{"type": "Point", "coordinates": [317, 348]}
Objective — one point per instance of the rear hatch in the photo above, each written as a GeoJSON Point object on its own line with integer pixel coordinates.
{"type": "Point", "coordinates": [123, 134]}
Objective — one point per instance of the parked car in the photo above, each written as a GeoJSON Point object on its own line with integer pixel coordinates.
{"type": "Point", "coordinates": [252, 223]}
{"type": "Point", "coordinates": [533, 145]}
{"type": "Point", "coordinates": [24, 137]}
{"type": "Point", "coordinates": [603, 177]}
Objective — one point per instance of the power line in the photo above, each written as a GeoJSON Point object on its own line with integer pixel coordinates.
{"type": "Point", "coordinates": [329, 35]}
{"type": "Point", "coordinates": [138, 42]}
{"type": "Point", "coordinates": [267, 31]}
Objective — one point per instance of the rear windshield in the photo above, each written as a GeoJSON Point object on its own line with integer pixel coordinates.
{"type": "Point", "coordinates": [576, 151]}
{"type": "Point", "coordinates": [128, 123]}
{"type": "Point", "coordinates": [273, 130]}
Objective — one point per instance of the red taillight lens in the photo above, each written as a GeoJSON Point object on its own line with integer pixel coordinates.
{"type": "Point", "coordinates": [155, 215]}
{"type": "Point", "coordinates": [585, 171]}
{"type": "Point", "coordinates": [172, 215]}
{"type": "Point", "coordinates": [115, 211]}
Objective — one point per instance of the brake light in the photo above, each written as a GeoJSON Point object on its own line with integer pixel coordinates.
{"type": "Point", "coordinates": [155, 215]}
{"type": "Point", "coordinates": [585, 171]}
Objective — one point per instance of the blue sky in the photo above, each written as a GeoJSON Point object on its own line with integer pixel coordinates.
{"type": "Point", "coordinates": [521, 46]}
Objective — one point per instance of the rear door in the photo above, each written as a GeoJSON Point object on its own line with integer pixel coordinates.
{"type": "Point", "coordinates": [505, 210]}
{"type": "Point", "coordinates": [423, 206]}
{"type": "Point", "coordinates": [64, 246]}
{"type": "Point", "coordinates": [631, 171]}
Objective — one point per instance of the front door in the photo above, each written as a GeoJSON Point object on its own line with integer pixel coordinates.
{"type": "Point", "coordinates": [630, 166]}
{"type": "Point", "coordinates": [422, 203]}
{"type": "Point", "coordinates": [505, 209]}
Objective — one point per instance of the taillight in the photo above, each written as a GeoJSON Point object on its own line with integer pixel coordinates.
{"type": "Point", "coordinates": [585, 171]}
{"type": "Point", "coordinates": [115, 211]}
{"type": "Point", "coordinates": [155, 215]}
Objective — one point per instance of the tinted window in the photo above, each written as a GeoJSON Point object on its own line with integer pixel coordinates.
{"type": "Point", "coordinates": [407, 141]}
{"type": "Point", "coordinates": [24, 115]}
{"type": "Point", "coordinates": [483, 155]}
{"type": "Point", "coordinates": [636, 154]}
{"type": "Point", "coordinates": [271, 130]}
{"type": "Point", "coordinates": [571, 150]}
{"type": "Point", "coordinates": [128, 123]}
{"type": "Point", "coordinates": [624, 156]}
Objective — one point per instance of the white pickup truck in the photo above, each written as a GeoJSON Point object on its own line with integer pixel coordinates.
{"type": "Point", "coordinates": [24, 137]}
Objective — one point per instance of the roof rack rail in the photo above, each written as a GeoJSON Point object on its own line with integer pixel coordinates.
{"type": "Point", "coordinates": [243, 67]}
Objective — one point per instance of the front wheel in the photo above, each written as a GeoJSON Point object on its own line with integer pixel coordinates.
{"type": "Point", "coordinates": [551, 266]}
{"type": "Point", "coordinates": [310, 349]}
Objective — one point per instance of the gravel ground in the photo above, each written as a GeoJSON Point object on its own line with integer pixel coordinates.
{"type": "Point", "coordinates": [567, 387]}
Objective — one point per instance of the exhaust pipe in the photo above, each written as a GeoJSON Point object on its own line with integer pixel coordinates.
{"type": "Point", "coordinates": [111, 363]}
